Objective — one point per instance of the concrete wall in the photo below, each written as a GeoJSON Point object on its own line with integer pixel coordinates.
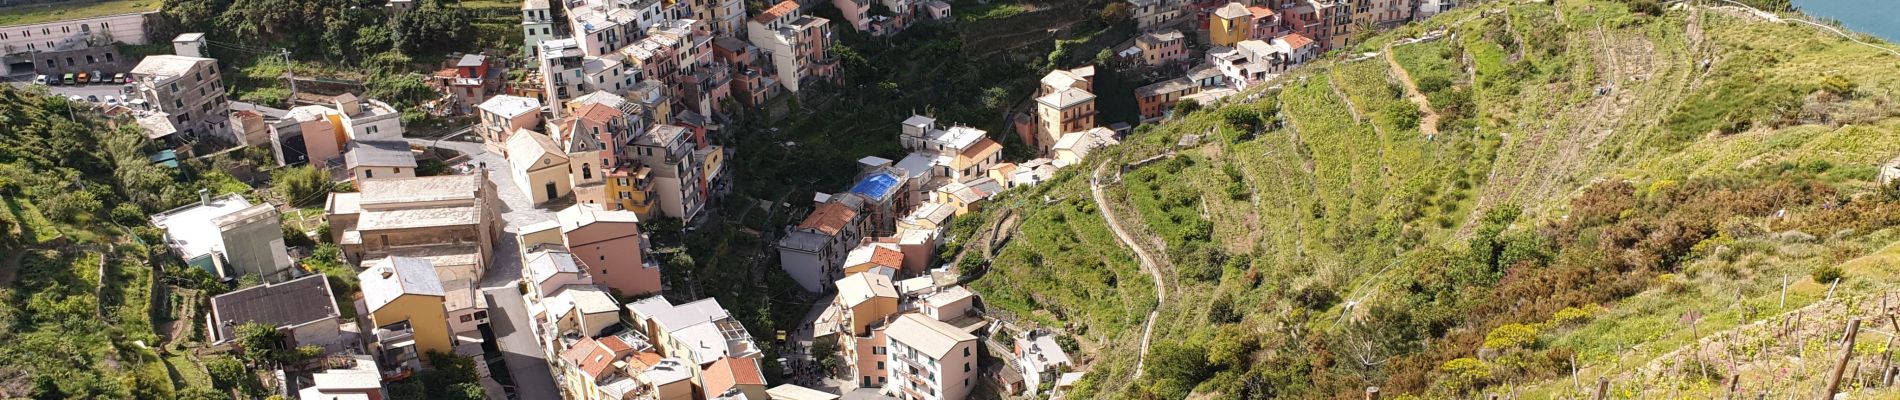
{"type": "Point", "coordinates": [105, 59]}
{"type": "Point", "coordinates": [425, 315]}
{"type": "Point", "coordinates": [256, 247]}
{"type": "Point", "coordinates": [71, 34]}
{"type": "Point", "coordinates": [612, 253]}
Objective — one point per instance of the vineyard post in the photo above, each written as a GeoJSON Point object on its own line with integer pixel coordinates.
{"type": "Point", "coordinates": [1847, 353]}
{"type": "Point", "coordinates": [1603, 388]}
{"type": "Point", "coordinates": [1372, 393]}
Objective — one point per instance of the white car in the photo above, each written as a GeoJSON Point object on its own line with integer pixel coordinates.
{"type": "Point", "coordinates": [112, 100]}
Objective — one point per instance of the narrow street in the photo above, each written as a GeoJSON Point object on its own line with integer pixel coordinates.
{"type": "Point", "coordinates": [508, 311]}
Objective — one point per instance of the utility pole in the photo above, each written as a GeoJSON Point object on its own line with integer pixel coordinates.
{"type": "Point", "coordinates": [290, 74]}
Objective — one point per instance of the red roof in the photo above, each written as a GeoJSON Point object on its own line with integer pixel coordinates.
{"type": "Point", "coordinates": [778, 10]}
{"type": "Point", "coordinates": [1260, 12]}
{"type": "Point", "coordinates": [885, 256]}
{"type": "Point", "coordinates": [829, 218]}
{"type": "Point", "coordinates": [729, 372]}
{"type": "Point", "coordinates": [1295, 40]}
{"type": "Point", "coordinates": [597, 113]}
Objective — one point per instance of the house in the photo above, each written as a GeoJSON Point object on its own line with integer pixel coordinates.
{"type": "Point", "coordinates": [1266, 23]}
{"type": "Point", "coordinates": [1428, 8]}
{"type": "Point", "coordinates": [550, 268]}
{"type": "Point", "coordinates": [734, 379]}
{"type": "Point", "coordinates": [1326, 22]}
{"type": "Point", "coordinates": [1230, 24]}
{"type": "Point", "coordinates": [1156, 101]}
{"type": "Point", "coordinates": [1250, 62]}
{"type": "Point", "coordinates": [189, 91]}
{"type": "Point", "coordinates": [669, 379]}
{"type": "Point", "coordinates": [379, 159]}
{"type": "Point", "coordinates": [579, 310]}
{"type": "Point", "coordinates": [814, 250]}
{"type": "Point", "coordinates": [940, 156]}
{"type": "Point", "coordinates": [1041, 358]}
{"type": "Point", "coordinates": [1162, 47]}
{"type": "Point", "coordinates": [405, 304]}
{"type": "Point", "coordinates": [955, 304]}
{"type": "Point", "coordinates": [931, 359]}
{"type": "Point", "coordinates": [538, 166]}
{"type": "Point", "coordinates": [227, 237]}
{"type": "Point", "coordinates": [876, 257]}
{"type": "Point", "coordinates": [750, 84]}
{"type": "Point", "coordinates": [537, 21]}
{"type": "Point", "coordinates": [1076, 146]}
{"type": "Point", "coordinates": [449, 220]}
{"type": "Point", "coordinates": [346, 377]}
{"type": "Point", "coordinates": [318, 135]}
{"type": "Point", "coordinates": [795, 392]}
{"type": "Point", "coordinates": [1063, 104]}
{"type": "Point", "coordinates": [965, 197]}
{"type": "Point", "coordinates": [1382, 14]}
{"type": "Point", "coordinates": [611, 248]}
{"type": "Point", "coordinates": [799, 45]}
{"type": "Point", "coordinates": [470, 81]}
{"type": "Point", "coordinates": [699, 332]}
{"type": "Point", "coordinates": [861, 311]}
{"type": "Point", "coordinates": [676, 169]}
{"type": "Point", "coordinates": [1152, 14]}
{"type": "Point", "coordinates": [302, 309]}
{"type": "Point", "coordinates": [603, 368]}
{"type": "Point", "coordinates": [503, 115]}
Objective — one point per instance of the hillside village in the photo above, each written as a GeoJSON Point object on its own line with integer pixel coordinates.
{"type": "Point", "coordinates": [524, 224]}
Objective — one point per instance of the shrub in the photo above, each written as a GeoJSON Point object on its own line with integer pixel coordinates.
{"type": "Point", "coordinates": [1511, 336]}
{"type": "Point", "coordinates": [1827, 274]}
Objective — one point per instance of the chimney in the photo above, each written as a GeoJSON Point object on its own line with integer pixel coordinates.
{"type": "Point", "coordinates": [189, 44]}
{"type": "Point", "coordinates": [204, 197]}
{"type": "Point", "coordinates": [387, 271]}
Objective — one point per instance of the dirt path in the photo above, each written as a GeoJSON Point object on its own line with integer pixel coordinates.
{"type": "Point", "coordinates": [1428, 118]}
{"type": "Point", "coordinates": [1147, 262]}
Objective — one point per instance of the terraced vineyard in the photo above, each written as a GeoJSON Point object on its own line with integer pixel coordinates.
{"type": "Point", "coordinates": [1607, 192]}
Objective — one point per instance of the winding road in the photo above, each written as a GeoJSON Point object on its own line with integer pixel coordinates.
{"type": "Point", "coordinates": [1147, 262]}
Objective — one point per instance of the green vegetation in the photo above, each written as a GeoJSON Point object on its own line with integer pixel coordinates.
{"type": "Point", "coordinates": [39, 13]}
{"type": "Point", "coordinates": [1594, 195]}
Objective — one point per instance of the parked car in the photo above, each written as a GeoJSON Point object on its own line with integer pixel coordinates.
{"type": "Point", "coordinates": [68, 79]}
{"type": "Point", "coordinates": [121, 78]}
{"type": "Point", "coordinates": [39, 79]}
{"type": "Point", "coordinates": [92, 98]}
{"type": "Point", "coordinates": [83, 79]}
{"type": "Point", "coordinates": [98, 77]}
{"type": "Point", "coordinates": [112, 100]}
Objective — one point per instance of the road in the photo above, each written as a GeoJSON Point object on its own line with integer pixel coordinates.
{"type": "Point", "coordinates": [508, 311]}
{"type": "Point", "coordinates": [1147, 262]}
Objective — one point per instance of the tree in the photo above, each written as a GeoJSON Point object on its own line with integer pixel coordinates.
{"type": "Point", "coordinates": [1185, 107]}
{"type": "Point", "coordinates": [202, 393]}
{"type": "Point", "coordinates": [1115, 13]}
{"type": "Point", "coordinates": [830, 360]}
{"type": "Point", "coordinates": [301, 186]}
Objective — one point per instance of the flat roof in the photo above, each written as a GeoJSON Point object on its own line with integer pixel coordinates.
{"type": "Point", "coordinates": [509, 106]}
{"type": "Point", "coordinates": [379, 153]}
{"type": "Point", "coordinates": [861, 287]}
{"type": "Point", "coordinates": [795, 392]}
{"type": "Point", "coordinates": [192, 229]}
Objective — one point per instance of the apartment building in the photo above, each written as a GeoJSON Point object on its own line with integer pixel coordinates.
{"type": "Point", "coordinates": [699, 333]}
{"type": "Point", "coordinates": [798, 45]}
{"type": "Point", "coordinates": [537, 24]}
{"type": "Point", "coordinates": [612, 247]}
{"type": "Point", "coordinates": [319, 135]}
{"type": "Point", "coordinates": [406, 304]}
{"type": "Point", "coordinates": [1382, 14]}
{"type": "Point", "coordinates": [959, 153]}
{"type": "Point", "coordinates": [60, 46]}
{"type": "Point", "coordinates": [228, 237]}
{"type": "Point", "coordinates": [862, 310]}
{"type": "Point", "coordinates": [931, 360]}
{"type": "Point", "coordinates": [1251, 62]}
{"type": "Point", "coordinates": [676, 169]}
{"type": "Point", "coordinates": [1152, 14]}
{"type": "Point", "coordinates": [470, 80]}
{"type": "Point", "coordinates": [568, 71]}
{"type": "Point", "coordinates": [189, 91]}
{"type": "Point", "coordinates": [448, 220]}
{"type": "Point", "coordinates": [1162, 47]}
{"type": "Point", "coordinates": [814, 250]}
{"type": "Point", "coordinates": [1231, 23]}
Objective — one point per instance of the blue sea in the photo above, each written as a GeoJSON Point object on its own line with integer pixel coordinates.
{"type": "Point", "coordinates": [1875, 17]}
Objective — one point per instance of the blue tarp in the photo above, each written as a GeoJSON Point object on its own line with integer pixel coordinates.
{"type": "Point", "coordinates": [878, 186]}
{"type": "Point", "coordinates": [167, 158]}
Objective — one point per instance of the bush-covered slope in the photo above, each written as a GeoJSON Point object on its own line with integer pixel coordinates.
{"type": "Point", "coordinates": [1605, 188]}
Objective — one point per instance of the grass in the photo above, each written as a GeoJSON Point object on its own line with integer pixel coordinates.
{"type": "Point", "coordinates": [31, 221]}
{"type": "Point", "coordinates": [34, 14]}
{"type": "Point", "coordinates": [188, 372]}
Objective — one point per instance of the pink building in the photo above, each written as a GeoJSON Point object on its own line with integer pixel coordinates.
{"type": "Point", "coordinates": [611, 247]}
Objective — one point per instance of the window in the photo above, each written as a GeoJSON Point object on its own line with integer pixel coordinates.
{"type": "Point", "coordinates": [880, 365]}
{"type": "Point", "coordinates": [90, 60]}
{"type": "Point", "coordinates": [467, 318]}
{"type": "Point", "coordinates": [69, 60]}
{"type": "Point", "coordinates": [369, 173]}
{"type": "Point", "coordinates": [397, 170]}
{"type": "Point", "coordinates": [481, 315]}
{"type": "Point", "coordinates": [966, 367]}
{"type": "Point", "coordinates": [108, 57]}
{"type": "Point", "coordinates": [966, 353]}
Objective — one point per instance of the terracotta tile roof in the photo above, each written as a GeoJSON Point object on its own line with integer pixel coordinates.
{"type": "Point", "coordinates": [1232, 11]}
{"type": "Point", "coordinates": [728, 372]}
{"type": "Point", "coordinates": [979, 151]}
{"type": "Point", "coordinates": [597, 113]}
{"type": "Point", "coordinates": [781, 9]}
{"type": "Point", "coordinates": [1260, 12]}
{"type": "Point", "coordinates": [887, 256]}
{"type": "Point", "coordinates": [1295, 40]}
{"type": "Point", "coordinates": [829, 218]}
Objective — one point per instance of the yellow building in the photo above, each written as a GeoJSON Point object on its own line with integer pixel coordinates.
{"type": "Point", "coordinates": [405, 303]}
{"type": "Point", "coordinates": [538, 166]}
{"type": "Point", "coordinates": [631, 188]}
{"type": "Point", "coordinates": [1229, 25]}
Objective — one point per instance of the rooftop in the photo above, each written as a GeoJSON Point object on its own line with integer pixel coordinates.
{"type": "Point", "coordinates": [390, 278]}
{"type": "Point", "coordinates": [731, 372]}
{"type": "Point", "coordinates": [379, 153]}
{"type": "Point", "coordinates": [421, 189]}
{"type": "Point", "coordinates": [830, 218]}
{"type": "Point", "coordinates": [510, 106]}
{"type": "Point", "coordinates": [167, 65]}
{"type": "Point", "coordinates": [580, 215]}
{"type": "Point", "coordinates": [417, 218]}
{"type": "Point", "coordinates": [795, 392]}
{"type": "Point", "coordinates": [777, 11]}
{"type": "Point", "coordinates": [1164, 87]}
{"type": "Point", "coordinates": [1066, 97]}
{"type": "Point", "coordinates": [932, 337]}
{"type": "Point", "coordinates": [193, 231]}
{"type": "Point", "coordinates": [884, 254]}
{"type": "Point", "coordinates": [546, 264]}
{"type": "Point", "coordinates": [861, 287]}
{"type": "Point", "coordinates": [878, 185]}
{"type": "Point", "coordinates": [472, 60]}
{"type": "Point", "coordinates": [295, 302]}
{"type": "Point", "coordinates": [1232, 11]}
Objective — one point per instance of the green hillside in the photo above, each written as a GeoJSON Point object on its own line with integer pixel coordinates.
{"type": "Point", "coordinates": [1580, 192]}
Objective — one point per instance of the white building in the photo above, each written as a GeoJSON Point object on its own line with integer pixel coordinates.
{"type": "Point", "coordinates": [73, 33]}
{"type": "Point", "coordinates": [537, 24]}
{"type": "Point", "coordinates": [931, 360]}
{"type": "Point", "coordinates": [228, 237]}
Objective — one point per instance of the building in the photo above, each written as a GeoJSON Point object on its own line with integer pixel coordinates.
{"type": "Point", "coordinates": [1076, 146]}
{"type": "Point", "coordinates": [959, 153]}
{"type": "Point", "coordinates": [538, 166]}
{"type": "Point", "coordinates": [888, 17]}
{"type": "Point", "coordinates": [1156, 101]}
{"type": "Point", "coordinates": [1152, 14]}
{"type": "Point", "coordinates": [1162, 47]}
{"type": "Point", "coordinates": [1064, 104]}
{"type": "Point", "coordinates": [1251, 62]}
{"type": "Point", "coordinates": [931, 359]}
{"type": "Point", "coordinates": [302, 309]}
{"type": "Point", "coordinates": [189, 91]}
{"type": "Point", "coordinates": [795, 392]}
{"type": "Point", "coordinates": [551, 268]}
{"type": "Point", "coordinates": [814, 250]}
{"type": "Point", "coordinates": [537, 24]}
{"type": "Point", "coordinates": [601, 171]}
{"type": "Point", "coordinates": [1428, 8]}
{"type": "Point", "coordinates": [49, 47]}
{"type": "Point", "coordinates": [1266, 23]}
{"type": "Point", "coordinates": [667, 150]}
{"type": "Point", "coordinates": [319, 135]}
{"type": "Point", "coordinates": [798, 45]}
{"type": "Point", "coordinates": [611, 248]}
{"type": "Point", "coordinates": [1230, 24]}
{"type": "Point", "coordinates": [862, 310]}
{"type": "Point", "coordinates": [876, 257]}
{"type": "Point", "coordinates": [470, 81]}
{"type": "Point", "coordinates": [228, 237]}
{"type": "Point", "coordinates": [504, 115]}
{"type": "Point", "coordinates": [576, 310]}
{"type": "Point", "coordinates": [346, 377]}
{"type": "Point", "coordinates": [449, 220]}
{"type": "Point", "coordinates": [733, 379]}
{"type": "Point", "coordinates": [405, 304]}
{"type": "Point", "coordinates": [379, 159]}
{"type": "Point", "coordinates": [700, 332]}
{"type": "Point", "coordinates": [1041, 359]}
{"type": "Point", "coordinates": [1382, 14]}
{"type": "Point", "coordinates": [965, 197]}
{"type": "Point", "coordinates": [604, 368]}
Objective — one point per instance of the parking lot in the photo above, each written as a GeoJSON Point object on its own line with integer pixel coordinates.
{"type": "Point", "coordinates": [100, 90]}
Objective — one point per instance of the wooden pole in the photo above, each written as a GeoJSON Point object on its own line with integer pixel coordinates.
{"type": "Point", "coordinates": [1603, 388]}
{"type": "Point", "coordinates": [1372, 393]}
{"type": "Point", "coordinates": [1847, 353]}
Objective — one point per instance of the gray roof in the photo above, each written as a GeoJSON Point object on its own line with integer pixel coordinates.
{"type": "Point", "coordinates": [471, 60]}
{"type": "Point", "coordinates": [405, 275]}
{"type": "Point", "coordinates": [296, 302]}
{"type": "Point", "coordinates": [379, 153]}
